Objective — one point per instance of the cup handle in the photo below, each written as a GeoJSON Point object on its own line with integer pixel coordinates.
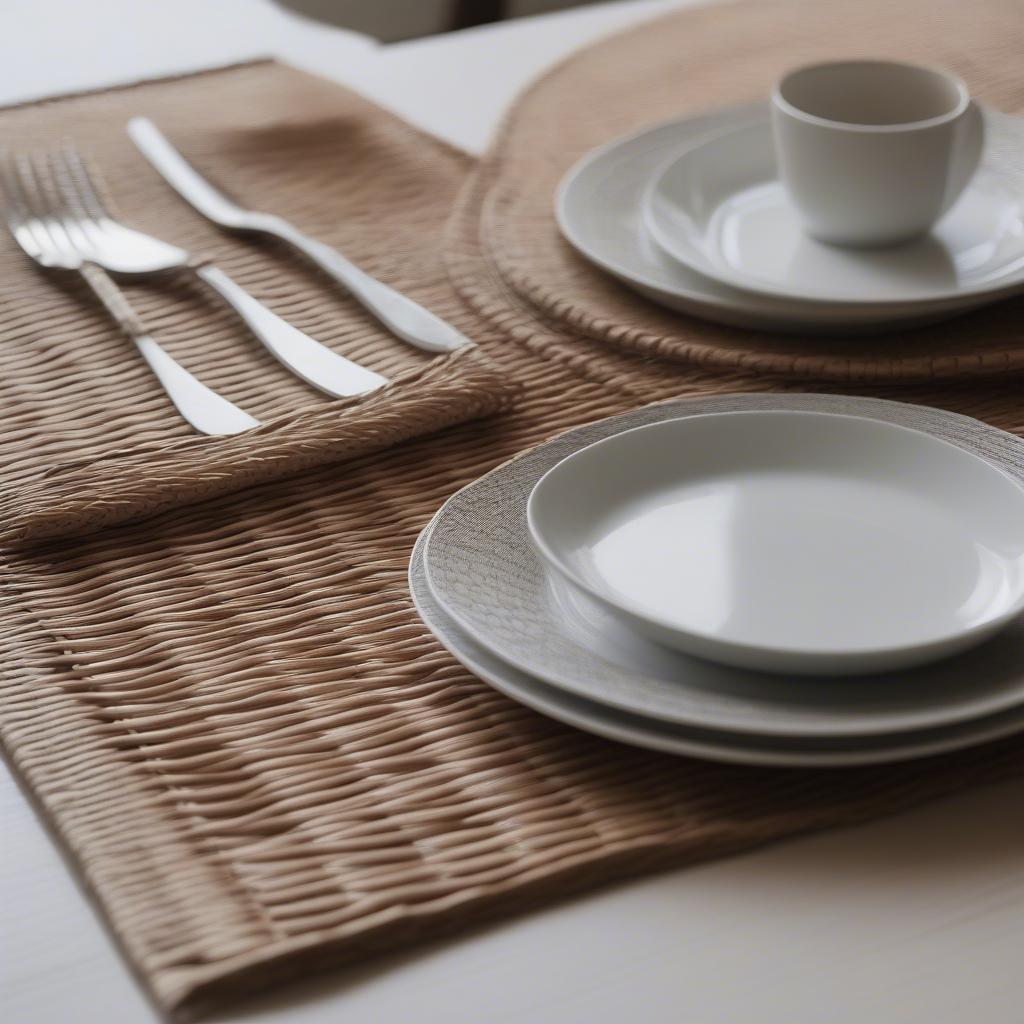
{"type": "Point", "coordinates": [967, 154]}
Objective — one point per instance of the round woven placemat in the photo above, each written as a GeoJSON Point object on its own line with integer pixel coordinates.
{"type": "Point", "coordinates": [694, 61]}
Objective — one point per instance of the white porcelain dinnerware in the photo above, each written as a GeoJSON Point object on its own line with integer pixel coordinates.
{"type": "Point", "coordinates": [873, 152]}
{"type": "Point", "coordinates": [485, 571]}
{"type": "Point", "coordinates": [788, 541]}
{"type": "Point", "coordinates": [721, 209]}
{"type": "Point", "coordinates": [708, 744]}
{"type": "Point", "coordinates": [599, 208]}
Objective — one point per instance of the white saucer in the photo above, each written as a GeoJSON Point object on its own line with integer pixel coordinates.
{"type": "Point", "coordinates": [599, 208]}
{"type": "Point", "coordinates": [485, 571]}
{"type": "Point", "coordinates": [720, 209]}
{"type": "Point", "coordinates": [651, 734]}
{"type": "Point", "coordinates": [786, 541]}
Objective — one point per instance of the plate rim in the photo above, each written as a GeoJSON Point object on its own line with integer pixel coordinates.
{"type": "Point", "coordinates": [1008, 722]}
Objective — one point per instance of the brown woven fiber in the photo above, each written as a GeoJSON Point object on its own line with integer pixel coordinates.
{"type": "Point", "coordinates": [260, 761]}
{"type": "Point", "coordinates": [91, 438]}
{"type": "Point", "coordinates": [106, 487]}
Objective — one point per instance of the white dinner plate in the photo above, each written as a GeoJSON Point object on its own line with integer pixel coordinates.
{"type": "Point", "coordinates": [720, 208]}
{"type": "Point", "coordinates": [486, 573]}
{"type": "Point", "coordinates": [788, 541]}
{"type": "Point", "coordinates": [732, 748]}
{"type": "Point", "coordinates": [599, 208]}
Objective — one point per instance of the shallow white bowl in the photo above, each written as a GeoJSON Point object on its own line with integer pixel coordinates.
{"type": "Point", "coordinates": [789, 541]}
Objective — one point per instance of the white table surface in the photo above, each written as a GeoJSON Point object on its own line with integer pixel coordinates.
{"type": "Point", "coordinates": [918, 919]}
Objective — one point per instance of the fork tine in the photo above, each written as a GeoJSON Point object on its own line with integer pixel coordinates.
{"type": "Point", "coordinates": [61, 175]}
{"type": "Point", "coordinates": [49, 204]}
{"type": "Point", "coordinates": [21, 210]}
{"type": "Point", "coordinates": [32, 192]}
{"type": "Point", "coordinates": [16, 208]}
{"type": "Point", "coordinates": [83, 181]}
{"type": "Point", "coordinates": [76, 183]}
{"type": "Point", "coordinates": [73, 216]}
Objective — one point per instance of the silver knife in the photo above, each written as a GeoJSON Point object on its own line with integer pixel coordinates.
{"type": "Point", "coordinates": [403, 317]}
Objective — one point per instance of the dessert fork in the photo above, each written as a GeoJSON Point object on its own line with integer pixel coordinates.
{"type": "Point", "coordinates": [123, 250]}
{"type": "Point", "coordinates": [40, 214]}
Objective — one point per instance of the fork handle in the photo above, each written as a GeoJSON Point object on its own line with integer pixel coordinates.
{"type": "Point", "coordinates": [314, 363]}
{"type": "Point", "coordinates": [207, 411]}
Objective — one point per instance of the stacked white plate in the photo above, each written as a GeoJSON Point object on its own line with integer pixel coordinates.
{"type": "Point", "coordinates": [707, 576]}
{"type": "Point", "coordinates": [691, 214]}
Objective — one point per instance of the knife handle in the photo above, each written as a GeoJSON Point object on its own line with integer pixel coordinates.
{"type": "Point", "coordinates": [306, 358]}
{"type": "Point", "coordinates": [400, 314]}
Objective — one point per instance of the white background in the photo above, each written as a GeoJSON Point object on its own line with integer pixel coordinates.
{"type": "Point", "coordinates": [915, 920]}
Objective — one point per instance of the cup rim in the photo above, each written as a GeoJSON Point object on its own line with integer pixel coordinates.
{"type": "Point", "coordinates": [964, 100]}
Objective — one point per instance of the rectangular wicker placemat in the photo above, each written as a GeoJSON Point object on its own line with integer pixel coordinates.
{"type": "Point", "coordinates": [92, 440]}
{"type": "Point", "coordinates": [259, 760]}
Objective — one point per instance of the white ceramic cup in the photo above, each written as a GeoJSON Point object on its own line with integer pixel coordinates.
{"type": "Point", "coordinates": [874, 152]}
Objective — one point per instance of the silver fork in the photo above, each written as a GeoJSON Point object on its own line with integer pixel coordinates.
{"type": "Point", "coordinates": [40, 217]}
{"type": "Point", "coordinates": [123, 250]}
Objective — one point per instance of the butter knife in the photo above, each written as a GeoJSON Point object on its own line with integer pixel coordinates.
{"type": "Point", "coordinates": [403, 317]}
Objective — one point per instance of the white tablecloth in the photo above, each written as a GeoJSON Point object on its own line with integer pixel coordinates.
{"type": "Point", "coordinates": [914, 920]}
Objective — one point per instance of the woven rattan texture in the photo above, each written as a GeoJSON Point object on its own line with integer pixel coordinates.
{"type": "Point", "coordinates": [724, 54]}
{"type": "Point", "coordinates": [105, 488]}
{"type": "Point", "coordinates": [260, 761]}
{"type": "Point", "coordinates": [91, 439]}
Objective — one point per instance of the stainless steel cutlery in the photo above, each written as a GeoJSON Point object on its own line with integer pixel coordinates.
{"type": "Point", "coordinates": [57, 216]}
{"type": "Point", "coordinates": [122, 250]}
{"type": "Point", "coordinates": [46, 211]}
{"type": "Point", "coordinates": [405, 318]}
